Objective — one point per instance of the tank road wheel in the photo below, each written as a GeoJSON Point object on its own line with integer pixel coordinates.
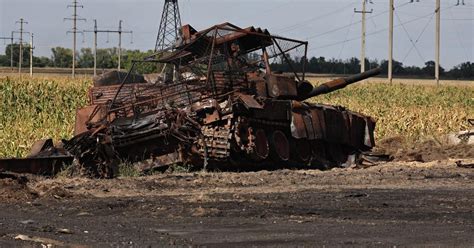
{"type": "Point", "coordinates": [280, 146]}
{"type": "Point", "coordinates": [301, 151]}
{"type": "Point", "coordinates": [259, 143]}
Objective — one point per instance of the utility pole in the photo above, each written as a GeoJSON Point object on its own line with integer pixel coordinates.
{"type": "Point", "coordinates": [95, 47]}
{"type": "Point", "coordinates": [362, 53]}
{"type": "Point", "coordinates": [119, 31]}
{"type": "Point", "coordinates": [22, 22]}
{"type": "Point", "coordinates": [11, 51]}
{"type": "Point", "coordinates": [438, 39]}
{"type": "Point", "coordinates": [390, 43]}
{"type": "Point", "coordinates": [11, 48]}
{"type": "Point", "coordinates": [31, 55]}
{"type": "Point", "coordinates": [74, 19]}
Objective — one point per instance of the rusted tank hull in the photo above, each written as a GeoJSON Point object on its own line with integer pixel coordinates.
{"type": "Point", "coordinates": [275, 132]}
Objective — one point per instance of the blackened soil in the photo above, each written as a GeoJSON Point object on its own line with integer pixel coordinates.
{"type": "Point", "coordinates": [396, 204]}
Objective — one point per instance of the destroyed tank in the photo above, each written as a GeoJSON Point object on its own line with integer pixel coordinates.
{"type": "Point", "coordinates": [217, 103]}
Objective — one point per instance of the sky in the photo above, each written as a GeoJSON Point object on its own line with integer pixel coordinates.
{"type": "Point", "coordinates": [331, 26]}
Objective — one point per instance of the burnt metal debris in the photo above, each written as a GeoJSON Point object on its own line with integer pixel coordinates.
{"type": "Point", "coordinates": [218, 103]}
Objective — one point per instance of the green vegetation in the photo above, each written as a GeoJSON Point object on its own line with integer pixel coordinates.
{"type": "Point", "coordinates": [107, 58]}
{"type": "Point", "coordinates": [33, 109]}
{"type": "Point", "coordinates": [411, 111]}
{"type": "Point", "coordinates": [352, 66]}
{"type": "Point", "coordinates": [127, 169]}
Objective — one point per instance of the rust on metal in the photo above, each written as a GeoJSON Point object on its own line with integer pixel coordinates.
{"type": "Point", "coordinates": [217, 102]}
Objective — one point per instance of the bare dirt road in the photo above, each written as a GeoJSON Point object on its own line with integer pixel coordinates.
{"type": "Point", "coordinates": [397, 203]}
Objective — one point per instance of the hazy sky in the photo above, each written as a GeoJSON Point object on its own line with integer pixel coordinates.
{"type": "Point", "coordinates": [312, 20]}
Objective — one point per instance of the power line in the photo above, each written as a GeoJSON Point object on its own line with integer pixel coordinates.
{"type": "Point", "coordinates": [344, 44]}
{"type": "Point", "coordinates": [443, 19]}
{"type": "Point", "coordinates": [21, 22]}
{"type": "Point", "coordinates": [296, 25]}
{"type": "Point", "coordinates": [74, 18]}
{"type": "Point", "coordinates": [347, 34]}
{"type": "Point", "coordinates": [459, 37]}
{"type": "Point", "coordinates": [119, 31]}
{"type": "Point", "coordinates": [363, 12]}
{"type": "Point", "coordinates": [31, 54]}
{"type": "Point", "coordinates": [368, 34]}
{"type": "Point", "coordinates": [11, 38]}
{"type": "Point", "coordinates": [345, 26]}
{"type": "Point", "coordinates": [411, 40]}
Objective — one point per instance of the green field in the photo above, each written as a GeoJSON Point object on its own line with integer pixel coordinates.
{"type": "Point", "coordinates": [43, 107]}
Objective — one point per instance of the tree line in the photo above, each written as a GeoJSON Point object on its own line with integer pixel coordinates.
{"type": "Point", "coordinates": [352, 66]}
{"type": "Point", "coordinates": [107, 58]}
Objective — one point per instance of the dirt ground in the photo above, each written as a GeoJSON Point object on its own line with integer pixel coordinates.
{"type": "Point", "coordinates": [389, 204]}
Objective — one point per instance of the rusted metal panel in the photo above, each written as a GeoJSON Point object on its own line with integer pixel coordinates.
{"type": "Point", "coordinates": [308, 122]}
{"type": "Point", "coordinates": [40, 146]}
{"type": "Point", "coordinates": [275, 110]}
{"type": "Point", "coordinates": [357, 129]}
{"type": "Point", "coordinates": [249, 101]}
{"type": "Point", "coordinates": [369, 139]}
{"type": "Point", "coordinates": [281, 86]}
{"type": "Point", "coordinates": [84, 115]}
{"type": "Point", "coordinates": [319, 123]}
{"type": "Point", "coordinates": [335, 125]}
{"type": "Point", "coordinates": [298, 128]}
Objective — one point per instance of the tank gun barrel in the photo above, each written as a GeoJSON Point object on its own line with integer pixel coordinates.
{"type": "Point", "coordinates": [340, 83]}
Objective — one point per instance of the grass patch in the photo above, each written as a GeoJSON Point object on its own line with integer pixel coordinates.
{"type": "Point", "coordinates": [127, 169]}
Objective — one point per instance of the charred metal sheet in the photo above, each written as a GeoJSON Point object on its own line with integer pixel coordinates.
{"type": "Point", "coordinates": [249, 101]}
{"type": "Point", "coordinates": [39, 166]}
{"type": "Point", "coordinates": [336, 129]}
{"type": "Point", "coordinates": [115, 78]}
{"type": "Point", "coordinates": [280, 86]}
{"type": "Point", "coordinates": [275, 110]}
{"type": "Point", "coordinates": [319, 123]}
{"type": "Point", "coordinates": [369, 139]}
{"type": "Point", "coordinates": [308, 123]}
{"type": "Point", "coordinates": [298, 128]}
{"type": "Point", "coordinates": [39, 146]}
{"type": "Point", "coordinates": [84, 116]}
{"type": "Point", "coordinates": [357, 129]}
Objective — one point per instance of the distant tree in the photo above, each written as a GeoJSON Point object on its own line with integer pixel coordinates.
{"type": "Point", "coordinates": [143, 68]}
{"type": "Point", "coordinates": [85, 58]}
{"type": "Point", "coordinates": [397, 67]}
{"type": "Point", "coordinates": [107, 58]}
{"type": "Point", "coordinates": [462, 71]}
{"type": "Point", "coordinates": [16, 54]}
{"type": "Point", "coordinates": [430, 67]}
{"type": "Point", "coordinates": [4, 60]}
{"type": "Point", "coordinates": [42, 62]}
{"type": "Point", "coordinates": [62, 57]}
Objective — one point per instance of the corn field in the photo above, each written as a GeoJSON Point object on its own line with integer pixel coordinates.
{"type": "Point", "coordinates": [43, 107]}
{"type": "Point", "coordinates": [33, 109]}
{"type": "Point", "coordinates": [410, 111]}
